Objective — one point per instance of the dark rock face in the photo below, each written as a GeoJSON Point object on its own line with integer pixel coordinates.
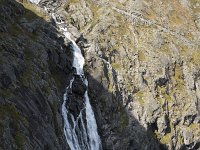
{"type": "Point", "coordinates": [75, 104]}
{"type": "Point", "coordinates": [5, 81]}
{"type": "Point", "coordinates": [78, 86]}
{"type": "Point", "coordinates": [34, 69]}
{"type": "Point", "coordinates": [161, 82]}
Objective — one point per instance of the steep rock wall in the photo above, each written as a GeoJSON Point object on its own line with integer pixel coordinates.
{"type": "Point", "coordinates": [142, 67]}
{"type": "Point", "coordinates": [34, 66]}
{"type": "Point", "coordinates": [145, 54]}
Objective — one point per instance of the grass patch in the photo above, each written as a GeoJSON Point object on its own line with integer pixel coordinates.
{"type": "Point", "coordinates": [116, 66]}
{"type": "Point", "coordinates": [141, 56]}
{"type": "Point", "coordinates": [54, 108]}
{"type": "Point", "coordinates": [6, 93]}
{"type": "Point", "coordinates": [166, 139]}
{"type": "Point", "coordinates": [15, 30]}
{"type": "Point", "coordinates": [11, 112]}
{"type": "Point", "coordinates": [196, 57]}
{"type": "Point", "coordinates": [140, 97]}
{"type": "Point", "coordinates": [19, 140]}
{"type": "Point", "coordinates": [194, 126]}
{"type": "Point", "coordinates": [174, 18]}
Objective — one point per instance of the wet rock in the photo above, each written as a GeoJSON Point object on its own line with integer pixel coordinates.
{"type": "Point", "coordinates": [78, 86]}
{"type": "Point", "coordinates": [75, 104]}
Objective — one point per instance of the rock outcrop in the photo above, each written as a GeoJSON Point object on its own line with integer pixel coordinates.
{"type": "Point", "coordinates": [34, 66]}
{"type": "Point", "coordinates": [144, 57]}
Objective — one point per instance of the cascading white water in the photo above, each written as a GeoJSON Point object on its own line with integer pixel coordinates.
{"type": "Point", "coordinates": [95, 143]}
{"type": "Point", "coordinates": [80, 134]}
{"type": "Point", "coordinates": [78, 59]}
{"type": "Point", "coordinates": [35, 1]}
{"type": "Point", "coordinates": [86, 137]}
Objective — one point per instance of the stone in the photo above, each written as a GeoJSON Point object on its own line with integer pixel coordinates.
{"type": "Point", "coordinates": [188, 137]}
{"type": "Point", "coordinates": [78, 86]}
{"type": "Point", "coordinates": [163, 124]}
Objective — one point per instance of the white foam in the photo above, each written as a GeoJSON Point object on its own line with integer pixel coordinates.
{"type": "Point", "coordinates": [80, 134]}
{"type": "Point", "coordinates": [35, 1]}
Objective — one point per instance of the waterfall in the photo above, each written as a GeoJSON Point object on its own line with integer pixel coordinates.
{"type": "Point", "coordinates": [80, 132]}
{"type": "Point", "coordinates": [78, 59]}
{"type": "Point", "coordinates": [35, 1]}
{"type": "Point", "coordinates": [85, 135]}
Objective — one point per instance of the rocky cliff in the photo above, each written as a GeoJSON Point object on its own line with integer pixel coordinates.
{"type": "Point", "coordinates": [34, 66]}
{"type": "Point", "coordinates": [142, 63]}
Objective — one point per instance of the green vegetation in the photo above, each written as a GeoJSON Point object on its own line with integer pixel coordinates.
{"type": "Point", "coordinates": [159, 100]}
{"type": "Point", "coordinates": [178, 75]}
{"type": "Point", "coordinates": [174, 18]}
{"type": "Point", "coordinates": [54, 108]}
{"type": "Point", "coordinates": [26, 77]}
{"type": "Point", "coordinates": [1, 129]}
{"type": "Point", "coordinates": [124, 119]}
{"type": "Point", "coordinates": [140, 97]}
{"type": "Point", "coordinates": [195, 8]}
{"type": "Point", "coordinates": [166, 139]}
{"type": "Point", "coordinates": [116, 66]}
{"type": "Point", "coordinates": [141, 56]}
{"type": "Point", "coordinates": [15, 30]}
{"type": "Point", "coordinates": [10, 111]}
{"type": "Point", "coordinates": [74, 1]}
{"type": "Point", "coordinates": [194, 126]}
{"type": "Point", "coordinates": [196, 58]}
{"type": "Point", "coordinates": [6, 93]}
{"type": "Point", "coordinates": [180, 139]}
{"type": "Point", "coordinates": [19, 140]}
{"type": "Point", "coordinates": [2, 1]}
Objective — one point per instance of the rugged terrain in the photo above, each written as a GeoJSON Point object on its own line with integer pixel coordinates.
{"type": "Point", "coordinates": [142, 63]}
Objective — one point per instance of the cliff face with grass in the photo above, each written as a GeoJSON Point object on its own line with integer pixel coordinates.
{"type": "Point", "coordinates": [33, 72]}
{"type": "Point", "coordinates": [146, 53]}
{"type": "Point", "coordinates": [142, 63]}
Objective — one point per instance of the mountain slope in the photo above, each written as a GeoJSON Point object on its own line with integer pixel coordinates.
{"type": "Point", "coordinates": [142, 64]}
{"type": "Point", "coordinates": [146, 53]}
{"type": "Point", "coordinates": [34, 66]}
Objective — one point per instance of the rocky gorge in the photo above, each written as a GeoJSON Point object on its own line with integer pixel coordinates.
{"type": "Point", "coordinates": [142, 63]}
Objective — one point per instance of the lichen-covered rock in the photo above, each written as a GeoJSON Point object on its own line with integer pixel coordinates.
{"type": "Point", "coordinates": [145, 55]}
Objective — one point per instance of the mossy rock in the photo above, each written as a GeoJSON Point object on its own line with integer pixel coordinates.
{"type": "Point", "coordinates": [140, 97]}
{"type": "Point", "coordinates": [54, 108]}
{"type": "Point", "coordinates": [166, 139]}
{"type": "Point", "coordinates": [19, 140]}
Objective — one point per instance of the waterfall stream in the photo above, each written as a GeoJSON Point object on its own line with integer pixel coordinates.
{"type": "Point", "coordinates": [83, 135]}
{"type": "Point", "coordinates": [80, 132]}
{"type": "Point", "coordinates": [35, 1]}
